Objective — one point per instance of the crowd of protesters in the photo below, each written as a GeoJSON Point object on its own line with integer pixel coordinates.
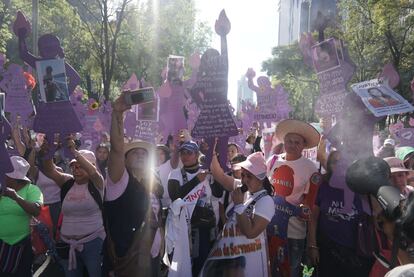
{"type": "Point", "coordinates": [118, 211]}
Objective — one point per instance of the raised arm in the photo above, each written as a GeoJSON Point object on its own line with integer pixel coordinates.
{"type": "Point", "coordinates": [218, 174]}
{"type": "Point", "coordinates": [20, 146]}
{"type": "Point", "coordinates": [49, 168]}
{"type": "Point", "coordinates": [25, 55]}
{"type": "Point", "coordinates": [92, 171]}
{"type": "Point", "coordinates": [116, 161]}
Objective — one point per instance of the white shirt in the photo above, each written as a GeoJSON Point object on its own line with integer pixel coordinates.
{"type": "Point", "coordinates": [293, 177]}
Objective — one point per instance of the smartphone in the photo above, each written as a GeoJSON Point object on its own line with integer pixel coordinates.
{"type": "Point", "coordinates": [140, 96]}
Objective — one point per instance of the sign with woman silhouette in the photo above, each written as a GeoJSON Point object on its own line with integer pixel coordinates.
{"type": "Point", "coordinates": [380, 99]}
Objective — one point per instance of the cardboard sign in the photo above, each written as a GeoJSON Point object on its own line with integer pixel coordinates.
{"type": "Point", "coordinates": [19, 106]}
{"type": "Point", "coordinates": [380, 99]}
{"type": "Point", "coordinates": [175, 69]}
{"type": "Point", "coordinates": [52, 80]}
{"type": "Point", "coordinates": [5, 163]}
{"type": "Point", "coordinates": [272, 103]}
{"type": "Point", "coordinates": [56, 117]}
{"type": "Point", "coordinates": [334, 69]}
{"type": "Point", "coordinates": [234, 253]}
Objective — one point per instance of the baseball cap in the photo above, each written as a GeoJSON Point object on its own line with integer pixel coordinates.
{"type": "Point", "coordinates": [190, 146]}
{"type": "Point", "coordinates": [255, 164]}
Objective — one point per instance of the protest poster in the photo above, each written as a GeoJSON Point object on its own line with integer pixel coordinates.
{"type": "Point", "coordinates": [17, 95]}
{"type": "Point", "coordinates": [51, 76]}
{"type": "Point", "coordinates": [210, 93]}
{"type": "Point", "coordinates": [233, 254]}
{"type": "Point", "coordinates": [176, 107]}
{"type": "Point", "coordinates": [380, 99]}
{"type": "Point", "coordinates": [5, 163]}
{"type": "Point", "coordinates": [334, 70]}
{"type": "Point", "coordinates": [175, 69]}
{"type": "Point", "coordinates": [272, 103]}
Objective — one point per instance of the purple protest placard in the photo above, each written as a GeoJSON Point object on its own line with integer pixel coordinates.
{"type": "Point", "coordinates": [272, 103]}
{"type": "Point", "coordinates": [334, 69]}
{"type": "Point", "coordinates": [210, 94]}
{"type": "Point", "coordinates": [5, 163]}
{"type": "Point", "coordinates": [175, 110]}
{"type": "Point", "coordinates": [141, 121]}
{"type": "Point", "coordinates": [18, 98]}
{"type": "Point", "coordinates": [53, 117]}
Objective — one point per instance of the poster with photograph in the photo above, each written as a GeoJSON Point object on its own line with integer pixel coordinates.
{"type": "Point", "coordinates": [2, 106]}
{"type": "Point", "coordinates": [52, 80]}
{"type": "Point", "coordinates": [175, 69]}
{"type": "Point", "coordinates": [380, 99]}
{"type": "Point", "coordinates": [326, 55]}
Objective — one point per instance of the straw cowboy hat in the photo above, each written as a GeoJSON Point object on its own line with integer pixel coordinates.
{"type": "Point", "coordinates": [305, 130]}
{"type": "Point", "coordinates": [139, 144]}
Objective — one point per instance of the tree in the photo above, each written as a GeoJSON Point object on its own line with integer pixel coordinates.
{"type": "Point", "coordinates": [378, 32]}
{"type": "Point", "coordinates": [287, 68]}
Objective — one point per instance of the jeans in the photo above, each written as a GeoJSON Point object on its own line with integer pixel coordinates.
{"type": "Point", "coordinates": [296, 248]}
{"type": "Point", "coordinates": [90, 257]}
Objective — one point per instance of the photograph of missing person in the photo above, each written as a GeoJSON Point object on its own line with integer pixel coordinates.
{"type": "Point", "coordinates": [52, 80]}
{"type": "Point", "coordinates": [325, 55]}
{"type": "Point", "coordinates": [2, 105]}
{"type": "Point", "coordinates": [175, 69]}
{"type": "Point", "coordinates": [379, 98]}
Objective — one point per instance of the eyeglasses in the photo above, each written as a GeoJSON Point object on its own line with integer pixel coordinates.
{"type": "Point", "coordinates": [74, 167]}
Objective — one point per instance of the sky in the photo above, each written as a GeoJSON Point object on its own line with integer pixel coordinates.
{"type": "Point", "coordinates": [251, 39]}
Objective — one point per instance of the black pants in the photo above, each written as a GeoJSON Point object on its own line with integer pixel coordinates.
{"type": "Point", "coordinates": [204, 247]}
{"type": "Point", "coordinates": [25, 265]}
{"type": "Point", "coordinates": [340, 261]}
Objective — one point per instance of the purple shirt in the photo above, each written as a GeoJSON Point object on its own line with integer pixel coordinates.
{"type": "Point", "coordinates": [335, 224]}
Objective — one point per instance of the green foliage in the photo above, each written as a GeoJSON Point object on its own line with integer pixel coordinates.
{"type": "Point", "coordinates": [287, 68]}
{"type": "Point", "coordinates": [147, 35]}
{"type": "Point", "coordinates": [151, 34]}
{"type": "Point", "coordinates": [375, 32]}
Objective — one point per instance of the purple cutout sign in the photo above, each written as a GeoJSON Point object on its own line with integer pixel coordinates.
{"type": "Point", "coordinates": [272, 103]}
{"type": "Point", "coordinates": [173, 96]}
{"type": "Point", "coordinates": [5, 163]}
{"type": "Point", "coordinates": [330, 61]}
{"type": "Point", "coordinates": [54, 117]}
{"type": "Point", "coordinates": [18, 99]}
{"type": "Point", "coordinates": [210, 94]}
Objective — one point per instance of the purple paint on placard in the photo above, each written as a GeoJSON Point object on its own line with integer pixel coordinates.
{"type": "Point", "coordinates": [173, 101]}
{"type": "Point", "coordinates": [210, 93]}
{"type": "Point", "coordinates": [272, 103]}
{"type": "Point", "coordinates": [5, 163]}
{"type": "Point", "coordinates": [56, 117]}
{"type": "Point", "coordinates": [18, 98]}
{"type": "Point", "coordinates": [49, 48]}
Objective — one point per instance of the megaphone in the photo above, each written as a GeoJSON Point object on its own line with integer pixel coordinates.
{"type": "Point", "coordinates": [371, 176]}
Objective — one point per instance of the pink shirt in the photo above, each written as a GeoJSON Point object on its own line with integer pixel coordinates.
{"type": "Point", "coordinates": [81, 213]}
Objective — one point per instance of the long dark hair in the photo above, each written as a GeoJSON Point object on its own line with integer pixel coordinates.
{"type": "Point", "coordinates": [267, 186]}
{"type": "Point", "coordinates": [330, 163]}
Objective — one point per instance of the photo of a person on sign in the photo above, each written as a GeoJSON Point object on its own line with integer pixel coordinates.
{"type": "Point", "coordinates": [325, 56]}
{"type": "Point", "coordinates": [379, 99]}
